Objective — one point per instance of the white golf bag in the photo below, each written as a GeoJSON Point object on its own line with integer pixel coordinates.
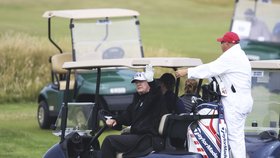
{"type": "Point", "coordinates": [209, 136]}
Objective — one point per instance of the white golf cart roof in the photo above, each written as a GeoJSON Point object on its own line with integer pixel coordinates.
{"type": "Point", "coordinates": [134, 63]}
{"type": "Point", "coordinates": [266, 64]}
{"type": "Point", "coordinates": [90, 13]}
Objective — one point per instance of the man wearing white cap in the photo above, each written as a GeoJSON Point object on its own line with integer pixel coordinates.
{"type": "Point", "coordinates": [143, 115]}
{"type": "Point", "coordinates": [233, 70]}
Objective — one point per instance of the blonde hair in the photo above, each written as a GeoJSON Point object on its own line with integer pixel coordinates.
{"type": "Point", "coordinates": [190, 86]}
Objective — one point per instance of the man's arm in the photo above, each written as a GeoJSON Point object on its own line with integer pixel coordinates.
{"type": "Point", "coordinates": [181, 73]}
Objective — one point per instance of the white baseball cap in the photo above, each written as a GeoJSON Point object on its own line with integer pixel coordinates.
{"type": "Point", "coordinates": [139, 76]}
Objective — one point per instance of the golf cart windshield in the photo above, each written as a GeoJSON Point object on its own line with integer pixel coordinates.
{"type": "Point", "coordinates": [266, 94]}
{"type": "Point", "coordinates": [257, 21]}
{"type": "Point", "coordinates": [78, 119]}
{"type": "Point", "coordinates": [106, 38]}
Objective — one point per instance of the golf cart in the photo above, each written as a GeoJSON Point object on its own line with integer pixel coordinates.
{"type": "Point", "coordinates": [78, 135]}
{"type": "Point", "coordinates": [96, 34]}
{"type": "Point", "coordinates": [262, 129]}
{"type": "Point", "coordinates": [258, 25]}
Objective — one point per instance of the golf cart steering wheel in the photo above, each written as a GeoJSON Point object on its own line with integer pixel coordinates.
{"type": "Point", "coordinates": [104, 115]}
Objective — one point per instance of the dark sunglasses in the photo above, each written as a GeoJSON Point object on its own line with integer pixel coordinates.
{"type": "Point", "coordinates": [233, 43]}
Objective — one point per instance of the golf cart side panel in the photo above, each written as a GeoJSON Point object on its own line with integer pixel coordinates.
{"type": "Point", "coordinates": [53, 97]}
{"type": "Point", "coordinates": [258, 25]}
{"type": "Point", "coordinates": [265, 149]}
{"type": "Point", "coordinates": [55, 151]}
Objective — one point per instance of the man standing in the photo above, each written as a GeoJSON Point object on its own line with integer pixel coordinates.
{"type": "Point", "coordinates": [234, 72]}
{"type": "Point", "coordinates": [143, 115]}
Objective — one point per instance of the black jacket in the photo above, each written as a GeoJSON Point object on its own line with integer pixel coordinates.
{"type": "Point", "coordinates": [145, 112]}
{"type": "Point", "coordinates": [185, 103]}
{"type": "Point", "coordinates": [171, 101]}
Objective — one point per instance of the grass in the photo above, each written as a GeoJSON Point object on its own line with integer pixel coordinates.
{"type": "Point", "coordinates": [20, 134]}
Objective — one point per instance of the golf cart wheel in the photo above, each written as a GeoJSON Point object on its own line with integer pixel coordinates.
{"type": "Point", "coordinates": [44, 120]}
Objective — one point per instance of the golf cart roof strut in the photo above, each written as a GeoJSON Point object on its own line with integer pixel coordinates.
{"type": "Point", "coordinates": [49, 35]}
{"type": "Point", "coordinates": [65, 107]}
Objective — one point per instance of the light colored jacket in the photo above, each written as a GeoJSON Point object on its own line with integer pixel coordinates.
{"type": "Point", "coordinates": [234, 69]}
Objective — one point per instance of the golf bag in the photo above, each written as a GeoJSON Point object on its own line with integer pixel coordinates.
{"type": "Point", "coordinates": [209, 136]}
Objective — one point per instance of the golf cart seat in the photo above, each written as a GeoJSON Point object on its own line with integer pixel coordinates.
{"type": "Point", "coordinates": [59, 74]}
{"type": "Point", "coordinates": [174, 126]}
{"type": "Point", "coordinates": [171, 126]}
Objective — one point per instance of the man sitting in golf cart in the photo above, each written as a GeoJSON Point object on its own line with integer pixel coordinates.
{"type": "Point", "coordinates": [143, 115]}
{"type": "Point", "coordinates": [167, 85]}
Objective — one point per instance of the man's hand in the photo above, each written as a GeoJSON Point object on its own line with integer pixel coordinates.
{"type": "Point", "coordinates": [111, 122]}
{"type": "Point", "coordinates": [149, 73]}
{"type": "Point", "coordinates": [181, 73]}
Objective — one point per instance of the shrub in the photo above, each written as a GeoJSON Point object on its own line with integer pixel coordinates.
{"type": "Point", "coordinates": [24, 67]}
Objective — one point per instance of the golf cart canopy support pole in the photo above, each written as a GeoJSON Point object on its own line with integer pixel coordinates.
{"type": "Point", "coordinates": [49, 35]}
{"type": "Point", "coordinates": [95, 111]}
{"type": "Point", "coordinates": [65, 107]}
{"type": "Point", "coordinates": [71, 26]}
{"type": "Point", "coordinates": [176, 85]}
{"type": "Point", "coordinates": [139, 35]}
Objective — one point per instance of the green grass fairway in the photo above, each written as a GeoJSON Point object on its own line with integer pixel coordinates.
{"type": "Point", "coordinates": [20, 135]}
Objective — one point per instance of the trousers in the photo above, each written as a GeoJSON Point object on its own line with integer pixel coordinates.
{"type": "Point", "coordinates": [236, 108]}
{"type": "Point", "coordinates": [114, 144]}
